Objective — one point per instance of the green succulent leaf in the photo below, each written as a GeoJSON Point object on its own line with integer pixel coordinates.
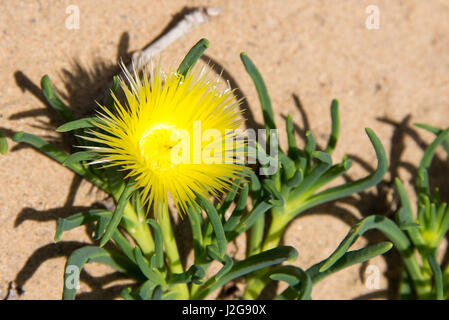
{"type": "Point", "coordinates": [192, 56]}
{"type": "Point", "coordinates": [78, 219]}
{"type": "Point", "coordinates": [335, 129]}
{"type": "Point", "coordinates": [240, 206]}
{"type": "Point", "coordinates": [54, 100]}
{"type": "Point", "coordinates": [159, 245]}
{"type": "Point", "coordinates": [271, 188]}
{"type": "Point", "coordinates": [197, 234]}
{"type": "Point", "coordinates": [194, 274]}
{"type": "Point", "coordinates": [78, 124]}
{"type": "Point", "coordinates": [58, 155]}
{"type": "Point", "coordinates": [317, 272]}
{"type": "Point", "coordinates": [391, 231]}
{"type": "Point", "coordinates": [145, 291]}
{"type": "Point", "coordinates": [288, 166]}
{"type": "Point", "coordinates": [435, 131]}
{"type": "Point", "coordinates": [80, 257]}
{"type": "Point", "coordinates": [431, 149]}
{"type": "Point", "coordinates": [157, 293]}
{"type": "Point", "coordinates": [229, 199]}
{"type": "Point", "coordinates": [216, 224]}
{"type": "Point", "coordinates": [227, 266]}
{"type": "Point", "coordinates": [265, 101]}
{"type": "Point", "coordinates": [437, 275]}
{"type": "Point", "coordinates": [152, 274]}
{"type": "Point", "coordinates": [322, 156]}
{"type": "Point", "coordinates": [310, 143]}
{"type": "Point", "coordinates": [405, 216]}
{"type": "Point", "coordinates": [249, 220]}
{"type": "Point", "coordinates": [114, 90]}
{"type": "Point", "coordinates": [256, 234]}
{"type": "Point", "coordinates": [255, 262]}
{"type": "Point", "coordinates": [294, 181]}
{"type": "Point", "coordinates": [118, 213]}
{"type": "Point", "coordinates": [306, 187]}
{"type": "Point", "coordinates": [383, 224]}
{"type": "Point", "coordinates": [45, 147]}
{"type": "Point", "coordinates": [79, 157]}
{"type": "Point", "coordinates": [293, 150]}
{"type": "Point", "coordinates": [355, 186]}
{"type": "Point", "coordinates": [405, 291]}
{"type": "Point", "coordinates": [299, 281]}
{"type": "Point", "coordinates": [255, 186]}
{"type": "Point", "coordinates": [124, 245]}
{"type": "Point", "coordinates": [127, 294]}
{"type": "Point", "coordinates": [331, 174]}
{"type": "Point", "coordinates": [100, 227]}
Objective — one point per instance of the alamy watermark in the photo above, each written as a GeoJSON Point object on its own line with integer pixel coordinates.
{"type": "Point", "coordinates": [372, 22]}
{"type": "Point", "coordinates": [372, 280]}
{"type": "Point", "coordinates": [226, 149]}
{"type": "Point", "coordinates": [72, 22]}
{"type": "Point", "coordinates": [72, 278]}
{"type": "Point", "coordinates": [212, 146]}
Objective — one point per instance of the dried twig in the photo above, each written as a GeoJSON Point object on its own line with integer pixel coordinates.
{"type": "Point", "coordinates": [142, 57]}
{"type": "Point", "coordinates": [190, 20]}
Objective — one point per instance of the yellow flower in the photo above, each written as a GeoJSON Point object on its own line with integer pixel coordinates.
{"type": "Point", "coordinates": [176, 135]}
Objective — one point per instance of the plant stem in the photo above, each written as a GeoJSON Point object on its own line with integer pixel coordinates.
{"type": "Point", "coordinates": [276, 230]}
{"type": "Point", "coordinates": [171, 249]}
{"type": "Point", "coordinates": [255, 285]}
{"type": "Point", "coordinates": [256, 236]}
{"type": "Point", "coordinates": [257, 281]}
{"type": "Point", "coordinates": [139, 230]}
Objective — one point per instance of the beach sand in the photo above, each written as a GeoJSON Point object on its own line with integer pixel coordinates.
{"type": "Point", "coordinates": [308, 52]}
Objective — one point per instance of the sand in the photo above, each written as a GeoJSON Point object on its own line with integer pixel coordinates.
{"type": "Point", "coordinates": [309, 52]}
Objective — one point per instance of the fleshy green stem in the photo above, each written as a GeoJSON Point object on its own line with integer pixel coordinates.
{"type": "Point", "coordinates": [256, 236]}
{"type": "Point", "coordinates": [257, 281]}
{"type": "Point", "coordinates": [277, 227]}
{"type": "Point", "coordinates": [171, 249]}
{"type": "Point", "coordinates": [139, 230]}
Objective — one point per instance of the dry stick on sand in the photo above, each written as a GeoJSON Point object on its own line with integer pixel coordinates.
{"type": "Point", "coordinates": [141, 58]}
{"type": "Point", "coordinates": [190, 20]}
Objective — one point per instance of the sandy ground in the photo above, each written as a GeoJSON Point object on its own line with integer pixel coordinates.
{"type": "Point", "coordinates": [308, 51]}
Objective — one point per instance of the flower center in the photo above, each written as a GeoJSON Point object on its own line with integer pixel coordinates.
{"type": "Point", "coordinates": [155, 146]}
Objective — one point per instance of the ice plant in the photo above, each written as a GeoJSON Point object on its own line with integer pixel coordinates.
{"type": "Point", "coordinates": [413, 235]}
{"type": "Point", "coordinates": [300, 182]}
{"type": "Point", "coordinates": [151, 148]}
